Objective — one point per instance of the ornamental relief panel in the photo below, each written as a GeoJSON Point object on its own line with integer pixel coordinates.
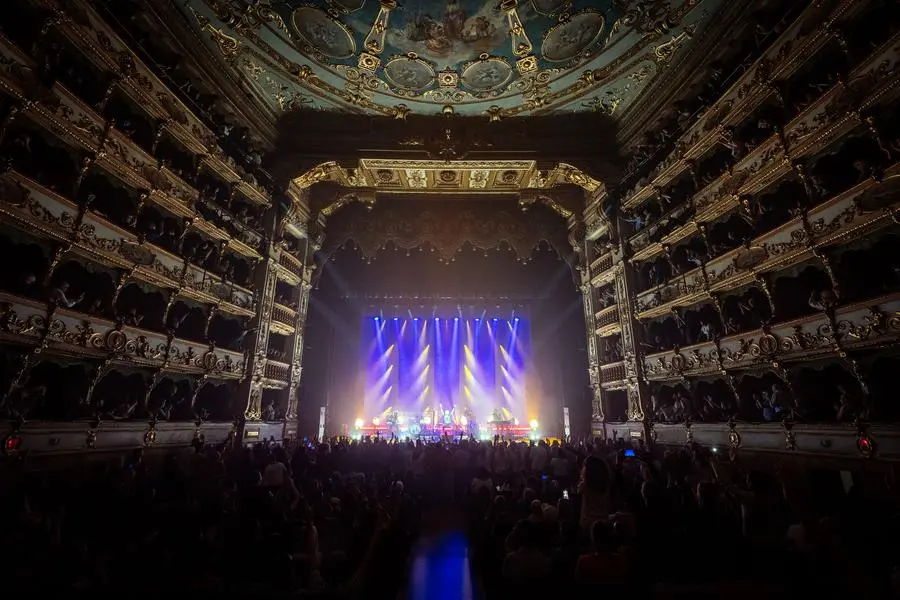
{"type": "Point", "coordinates": [72, 331]}
{"type": "Point", "coordinates": [855, 326]}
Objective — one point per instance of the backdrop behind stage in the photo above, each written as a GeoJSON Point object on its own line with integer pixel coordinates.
{"type": "Point", "coordinates": [473, 366]}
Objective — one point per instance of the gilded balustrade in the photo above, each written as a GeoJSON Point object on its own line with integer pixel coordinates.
{"type": "Point", "coordinates": [602, 263]}
{"type": "Point", "coordinates": [607, 321]}
{"type": "Point", "coordinates": [291, 267]}
{"type": "Point", "coordinates": [855, 326]}
{"type": "Point", "coordinates": [283, 319]}
{"type": "Point", "coordinates": [823, 123]}
{"type": "Point", "coordinates": [611, 373]}
{"type": "Point", "coordinates": [859, 210]}
{"type": "Point", "coordinates": [277, 372]}
{"type": "Point", "coordinates": [798, 44]}
{"type": "Point", "coordinates": [35, 207]}
{"type": "Point", "coordinates": [25, 321]}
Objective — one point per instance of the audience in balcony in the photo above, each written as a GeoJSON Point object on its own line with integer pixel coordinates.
{"type": "Point", "coordinates": [606, 296]}
{"type": "Point", "coordinates": [35, 155]}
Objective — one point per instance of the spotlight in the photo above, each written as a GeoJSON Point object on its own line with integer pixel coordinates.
{"type": "Point", "coordinates": [358, 423]}
{"type": "Point", "coordinates": [496, 319]}
{"type": "Point", "coordinates": [401, 420]}
{"type": "Point", "coordinates": [456, 318]}
{"type": "Point", "coordinates": [477, 319]}
{"type": "Point", "coordinates": [516, 320]}
{"type": "Point", "coordinates": [376, 421]}
{"type": "Point", "coordinates": [416, 319]}
{"type": "Point", "coordinates": [396, 318]}
{"type": "Point", "coordinates": [377, 319]}
{"type": "Point", "coordinates": [533, 423]}
{"type": "Point", "coordinates": [437, 318]}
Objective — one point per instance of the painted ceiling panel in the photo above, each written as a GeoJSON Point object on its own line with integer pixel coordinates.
{"type": "Point", "coordinates": [502, 58]}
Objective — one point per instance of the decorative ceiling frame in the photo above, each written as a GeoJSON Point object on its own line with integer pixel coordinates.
{"type": "Point", "coordinates": [655, 29]}
{"type": "Point", "coordinates": [447, 177]}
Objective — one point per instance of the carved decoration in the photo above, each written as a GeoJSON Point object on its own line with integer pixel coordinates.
{"type": "Point", "coordinates": [444, 226]}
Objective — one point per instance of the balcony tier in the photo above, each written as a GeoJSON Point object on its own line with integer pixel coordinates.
{"type": "Point", "coordinates": [38, 209]}
{"type": "Point", "coordinates": [105, 49]}
{"type": "Point", "coordinates": [69, 332]}
{"type": "Point", "coordinates": [847, 216]}
{"type": "Point", "coordinates": [810, 32]}
{"type": "Point", "coordinates": [860, 325]}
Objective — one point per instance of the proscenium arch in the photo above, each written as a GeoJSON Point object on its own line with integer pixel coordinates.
{"type": "Point", "coordinates": [361, 184]}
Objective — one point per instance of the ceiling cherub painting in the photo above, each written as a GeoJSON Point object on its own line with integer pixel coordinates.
{"type": "Point", "coordinates": [450, 32]}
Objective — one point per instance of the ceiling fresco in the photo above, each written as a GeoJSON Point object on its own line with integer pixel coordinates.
{"type": "Point", "coordinates": [502, 58]}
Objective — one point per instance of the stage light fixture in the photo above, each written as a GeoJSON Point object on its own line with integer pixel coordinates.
{"type": "Point", "coordinates": [358, 423]}
{"type": "Point", "coordinates": [533, 423]}
{"type": "Point", "coordinates": [376, 421]}
{"type": "Point", "coordinates": [376, 319]}
{"type": "Point", "coordinates": [396, 318]}
{"type": "Point", "coordinates": [516, 320]}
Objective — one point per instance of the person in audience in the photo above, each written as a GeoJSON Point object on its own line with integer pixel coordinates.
{"type": "Point", "coordinates": [594, 490]}
{"type": "Point", "coordinates": [59, 296]}
{"type": "Point", "coordinates": [604, 566]}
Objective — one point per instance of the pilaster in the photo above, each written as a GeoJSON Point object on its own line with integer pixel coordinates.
{"type": "Point", "coordinates": [598, 404]}
{"type": "Point", "coordinates": [297, 350]}
{"type": "Point", "coordinates": [252, 386]}
{"type": "Point", "coordinates": [638, 394]}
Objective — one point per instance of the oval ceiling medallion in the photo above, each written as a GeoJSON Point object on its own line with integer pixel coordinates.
{"type": "Point", "coordinates": [409, 73]}
{"type": "Point", "coordinates": [564, 41]}
{"type": "Point", "coordinates": [548, 7]}
{"type": "Point", "coordinates": [327, 36]}
{"type": "Point", "coordinates": [486, 74]}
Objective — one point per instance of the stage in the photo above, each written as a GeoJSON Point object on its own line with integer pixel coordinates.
{"type": "Point", "coordinates": [429, 427]}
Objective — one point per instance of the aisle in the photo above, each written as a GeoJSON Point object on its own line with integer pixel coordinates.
{"type": "Point", "coordinates": [439, 568]}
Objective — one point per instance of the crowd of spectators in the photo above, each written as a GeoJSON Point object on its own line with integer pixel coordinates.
{"type": "Point", "coordinates": [341, 519]}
